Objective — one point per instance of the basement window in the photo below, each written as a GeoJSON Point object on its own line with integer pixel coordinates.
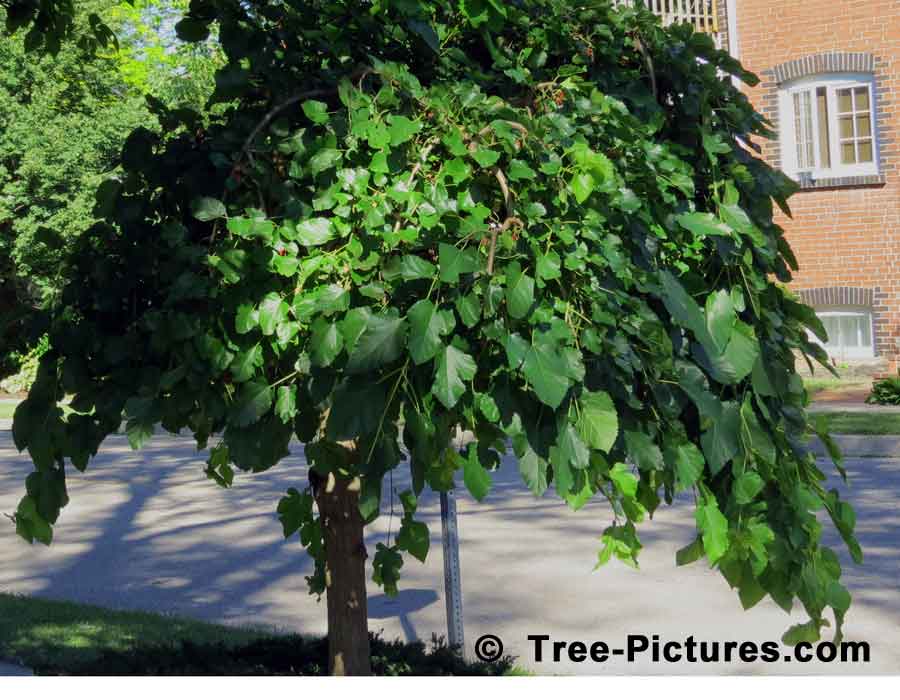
{"type": "Point", "coordinates": [828, 127]}
{"type": "Point", "coordinates": [849, 333]}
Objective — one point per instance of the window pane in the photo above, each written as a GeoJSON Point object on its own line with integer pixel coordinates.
{"type": "Point", "coordinates": [848, 153]}
{"type": "Point", "coordinates": [865, 151]}
{"type": "Point", "coordinates": [866, 328]}
{"type": "Point", "coordinates": [803, 129]}
{"type": "Point", "coordinates": [850, 331]}
{"type": "Point", "coordinates": [822, 120]}
{"type": "Point", "coordinates": [845, 101]}
{"type": "Point", "coordinates": [846, 127]}
{"type": "Point", "coordinates": [862, 99]}
{"type": "Point", "coordinates": [863, 125]}
{"type": "Point", "coordinates": [833, 330]}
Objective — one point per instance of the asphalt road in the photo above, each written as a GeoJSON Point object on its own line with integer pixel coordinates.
{"type": "Point", "coordinates": [147, 530]}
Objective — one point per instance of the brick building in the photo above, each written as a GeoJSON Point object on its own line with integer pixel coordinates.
{"type": "Point", "coordinates": [830, 83]}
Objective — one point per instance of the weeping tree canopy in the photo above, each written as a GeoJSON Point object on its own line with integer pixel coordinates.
{"type": "Point", "coordinates": [539, 221]}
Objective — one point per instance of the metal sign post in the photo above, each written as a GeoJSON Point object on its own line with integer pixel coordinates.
{"type": "Point", "coordinates": [452, 580]}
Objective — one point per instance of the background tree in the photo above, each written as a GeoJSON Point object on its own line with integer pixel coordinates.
{"type": "Point", "coordinates": [533, 220]}
{"type": "Point", "coordinates": [63, 120]}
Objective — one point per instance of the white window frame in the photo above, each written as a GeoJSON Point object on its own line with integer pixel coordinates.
{"type": "Point", "coordinates": [832, 83]}
{"type": "Point", "coordinates": [860, 352]}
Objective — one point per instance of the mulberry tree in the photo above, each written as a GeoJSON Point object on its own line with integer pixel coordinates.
{"type": "Point", "coordinates": [539, 221]}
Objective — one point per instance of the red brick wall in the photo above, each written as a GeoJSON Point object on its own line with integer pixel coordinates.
{"type": "Point", "coordinates": [844, 236]}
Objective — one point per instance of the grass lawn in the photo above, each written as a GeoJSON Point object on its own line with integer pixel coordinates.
{"type": "Point", "coordinates": [55, 637]}
{"type": "Point", "coordinates": [7, 409]}
{"type": "Point", "coordinates": [861, 423]}
{"type": "Point", "coordinates": [816, 385]}
{"type": "Point", "coordinates": [38, 633]}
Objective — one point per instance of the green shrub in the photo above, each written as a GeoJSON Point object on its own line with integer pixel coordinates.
{"type": "Point", "coordinates": [885, 392]}
{"type": "Point", "coordinates": [291, 655]}
{"type": "Point", "coordinates": [28, 367]}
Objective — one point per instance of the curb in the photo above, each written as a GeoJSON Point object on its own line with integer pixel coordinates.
{"type": "Point", "coordinates": [860, 446]}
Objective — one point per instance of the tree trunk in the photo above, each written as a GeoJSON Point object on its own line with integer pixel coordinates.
{"type": "Point", "coordinates": [345, 577]}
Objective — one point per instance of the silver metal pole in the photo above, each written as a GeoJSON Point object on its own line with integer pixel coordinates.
{"type": "Point", "coordinates": [452, 579]}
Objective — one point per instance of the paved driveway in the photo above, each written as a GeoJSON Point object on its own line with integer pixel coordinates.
{"type": "Point", "coordinates": [147, 530]}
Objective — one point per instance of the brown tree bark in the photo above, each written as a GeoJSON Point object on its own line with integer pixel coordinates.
{"type": "Point", "coordinates": [345, 577]}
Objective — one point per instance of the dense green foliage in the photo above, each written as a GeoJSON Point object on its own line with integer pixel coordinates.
{"type": "Point", "coordinates": [63, 120]}
{"type": "Point", "coordinates": [531, 219]}
{"type": "Point", "coordinates": [27, 364]}
{"type": "Point", "coordinates": [885, 392]}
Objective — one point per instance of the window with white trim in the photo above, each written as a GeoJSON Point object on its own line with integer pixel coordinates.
{"type": "Point", "coordinates": [828, 126]}
{"type": "Point", "coordinates": [849, 333]}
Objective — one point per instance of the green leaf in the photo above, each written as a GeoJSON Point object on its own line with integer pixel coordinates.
{"type": "Point", "coordinates": [326, 342]}
{"type": "Point", "coordinates": [690, 553]}
{"type": "Point", "coordinates": [427, 325]}
{"type": "Point", "coordinates": [485, 157]}
{"type": "Point", "coordinates": [703, 224]}
{"type": "Point", "coordinates": [315, 111]}
{"type": "Point", "coordinates": [746, 487]}
{"type": "Point", "coordinates": [519, 170]}
{"type": "Point", "coordinates": [720, 318]}
{"type": "Point", "coordinates": [714, 528]}
{"type": "Point", "coordinates": [455, 262]}
{"type": "Point", "coordinates": [286, 403]}
{"type": "Point", "coordinates": [402, 129]}
{"type": "Point", "coordinates": [519, 291]}
{"type": "Point", "coordinates": [533, 469]}
{"type": "Point", "coordinates": [598, 422]}
{"type": "Point", "coordinates": [687, 462]}
{"type": "Point", "coordinates": [272, 311]}
{"type": "Point", "coordinates": [138, 433]}
{"type": "Point", "coordinates": [571, 448]}
{"type": "Point", "coordinates": [253, 401]}
{"type": "Point", "coordinates": [475, 476]}
{"type": "Point", "coordinates": [208, 209]}
{"type": "Point", "coordinates": [386, 568]}
{"type": "Point", "coordinates": [324, 159]}
{"type": "Point", "coordinates": [457, 169]}
{"type": "Point", "coordinates": [469, 309]}
{"type": "Point", "coordinates": [582, 186]}
{"type": "Point", "coordinates": [756, 437]}
{"type": "Point", "coordinates": [141, 417]}
{"type": "Point", "coordinates": [547, 369]}
{"type": "Point", "coordinates": [314, 232]}
{"type": "Point", "coordinates": [246, 319]}
{"type": "Point", "coordinates": [549, 266]}
{"type": "Point", "coordinates": [624, 480]}
{"type": "Point", "coordinates": [806, 632]}
{"type": "Point", "coordinates": [643, 451]}
{"type": "Point", "coordinates": [737, 361]}
{"type": "Point", "coordinates": [415, 539]}
{"type": "Point", "coordinates": [409, 268]}
{"type": "Point", "coordinates": [453, 368]}
{"type": "Point", "coordinates": [246, 362]}
{"type": "Point", "coordinates": [721, 440]}
{"type": "Point", "coordinates": [381, 343]}
{"type": "Point", "coordinates": [684, 310]}
{"type": "Point", "coordinates": [489, 408]}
